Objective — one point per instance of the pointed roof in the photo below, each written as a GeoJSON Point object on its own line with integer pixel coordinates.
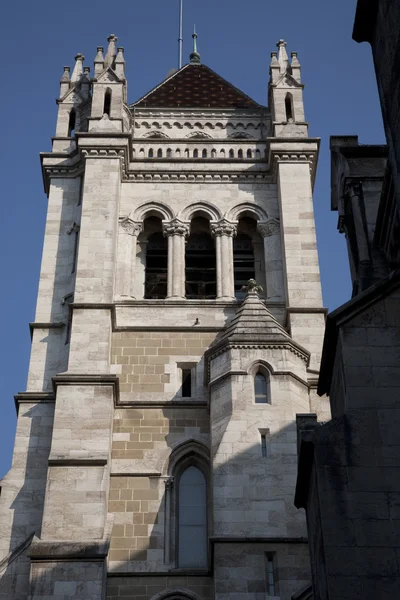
{"type": "Point", "coordinates": [195, 86]}
{"type": "Point", "coordinates": [253, 323]}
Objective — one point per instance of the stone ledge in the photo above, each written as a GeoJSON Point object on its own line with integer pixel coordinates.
{"type": "Point", "coordinates": [77, 458]}
{"type": "Point", "coordinates": [60, 549]}
{"type": "Point", "coordinates": [41, 550]}
{"type": "Point", "coordinates": [33, 398]}
{"type": "Point", "coordinates": [258, 540]}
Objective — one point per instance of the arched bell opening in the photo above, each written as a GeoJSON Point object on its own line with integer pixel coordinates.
{"type": "Point", "coordinates": [248, 256]}
{"type": "Point", "coordinates": [200, 261]}
{"type": "Point", "coordinates": [154, 250]}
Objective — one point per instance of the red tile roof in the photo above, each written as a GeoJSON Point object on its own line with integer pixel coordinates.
{"type": "Point", "coordinates": [195, 86]}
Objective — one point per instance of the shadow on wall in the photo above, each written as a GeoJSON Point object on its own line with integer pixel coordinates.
{"type": "Point", "coordinates": [24, 508]}
{"type": "Point", "coordinates": [249, 496]}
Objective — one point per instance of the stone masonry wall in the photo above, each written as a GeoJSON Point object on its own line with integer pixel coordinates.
{"type": "Point", "coordinates": [147, 362]}
{"type": "Point", "coordinates": [144, 588]}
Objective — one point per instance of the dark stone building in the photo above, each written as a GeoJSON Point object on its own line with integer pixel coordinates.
{"type": "Point", "coordinates": [349, 468]}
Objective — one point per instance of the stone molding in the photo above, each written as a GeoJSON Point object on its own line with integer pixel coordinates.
{"type": "Point", "coordinates": [290, 345]}
{"type": "Point", "coordinates": [176, 227]}
{"type": "Point", "coordinates": [223, 227]}
{"type": "Point", "coordinates": [130, 227]}
{"type": "Point", "coordinates": [270, 227]}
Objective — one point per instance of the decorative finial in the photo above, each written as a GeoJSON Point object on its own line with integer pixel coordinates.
{"type": "Point", "coordinates": [282, 56]}
{"type": "Point", "coordinates": [64, 82]}
{"type": "Point", "coordinates": [78, 69]}
{"type": "Point", "coordinates": [252, 287]}
{"type": "Point", "coordinates": [195, 56]}
{"type": "Point", "coordinates": [111, 51]}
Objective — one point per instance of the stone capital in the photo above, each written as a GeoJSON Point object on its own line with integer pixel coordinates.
{"type": "Point", "coordinates": [352, 188]}
{"type": "Point", "coordinates": [131, 227]}
{"type": "Point", "coordinates": [267, 228]}
{"type": "Point", "coordinates": [169, 483]}
{"type": "Point", "coordinates": [223, 227]}
{"type": "Point", "coordinates": [176, 227]}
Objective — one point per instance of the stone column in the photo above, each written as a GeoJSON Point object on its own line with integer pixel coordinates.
{"type": "Point", "coordinates": [176, 231]}
{"type": "Point", "coordinates": [169, 484]}
{"type": "Point", "coordinates": [270, 230]}
{"type": "Point", "coordinates": [126, 256]}
{"type": "Point", "coordinates": [224, 232]}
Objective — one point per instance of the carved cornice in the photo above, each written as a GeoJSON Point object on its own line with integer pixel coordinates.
{"type": "Point", "coordinates": [176, 227]}
{"type": "Point", "coordinates": [270, 227]}
{"type": "Point", "coordinates": [190, 177]}
{"type": "Point", "coordinates": [130, 227]}
{"type": "Point", "coordinates": [223, 227]}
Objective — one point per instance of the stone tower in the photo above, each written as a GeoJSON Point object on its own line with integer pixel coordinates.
{"type": "Point", "coordinates": [155, 453]}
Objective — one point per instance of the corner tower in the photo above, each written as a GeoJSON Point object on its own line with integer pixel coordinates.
{"type": "Point", "coordinates": [155, 452]}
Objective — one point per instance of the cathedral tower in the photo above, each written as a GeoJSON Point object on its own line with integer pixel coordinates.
{"type": "Point", "coordinates": [155, 452]}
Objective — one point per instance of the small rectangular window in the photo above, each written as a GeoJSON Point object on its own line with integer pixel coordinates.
{"type": "Point", "coordinates": [263, 445]}
{"type": "Point", "coordinates": [186, 383]}
{"type": "Point", "coordinates": [270, 575]}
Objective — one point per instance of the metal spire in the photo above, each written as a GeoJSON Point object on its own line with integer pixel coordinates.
{"type": "Point", "coordinates": [180, 38]}
{"type": "Point", "coordinates": [195, 56]}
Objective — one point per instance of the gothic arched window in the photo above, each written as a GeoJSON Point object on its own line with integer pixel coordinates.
{"type": "Point", "coordinates": [159, 153]}
{"type": "Point", "coordinates": [200, 266]}
{"type": "Point", "coordinates": [71, 123]}
{"type": "Point", "coordinates": [249, 154]}
{"type": "Point", "coordinates": [192, 519]}
{"type": "Point", "coordinates": [150, 153]}
{"type": "Point", "coordinates": [261, 389]}
{"type": "Point", "coordinates": [243, 262]}
{"type": "Point", "coordinates": [107, 102]}
{"type": "Point", "coordinates": [156, 266]}
{"type": "Point", "coordinates": [195, 153]}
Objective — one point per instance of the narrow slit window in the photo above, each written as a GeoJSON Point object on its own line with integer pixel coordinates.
{"type": "Point", "coordinates": [151, 153]}
{"type": "Point", "coordinates": [159, 153]}
{"type": "Point", "coordinates": [75, 255]}
{"type": "Point", "coordinates": [271, 586]}
{"type": "Point", "coordinates": [264, 452]}
{"type": "Point", "coordinates": [240, 154]}
{"type": "Point", "coordinates": [204, 154]}
{"type": "Point", "coordinates": [249, 154]}
{"type": "Point", "coordinates": [195, 153]}
{"type": "Point", "coordinates": [186, 383]}
{"type": "Point", "coordinates": [231, 154]}
{"type": "Point", "coordinates": [71, 123]}
{"type": "Point", "coordinates": [107, 102]}
{"type": "Point", "coordinates": [289, 107]}
{"type": "Point", "coordinates": [260, 389]}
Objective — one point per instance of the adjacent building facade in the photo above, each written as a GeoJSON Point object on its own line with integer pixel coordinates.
{"type": "Point", "coordinates": [349, 468]}
{"type": "Point", "coordinates": [178, 332]}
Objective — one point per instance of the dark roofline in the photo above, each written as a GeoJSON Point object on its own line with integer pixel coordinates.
{"type": "Point", "coordinates": [364, 23]}
{"type": "Point", "coordinates": [336, 319]}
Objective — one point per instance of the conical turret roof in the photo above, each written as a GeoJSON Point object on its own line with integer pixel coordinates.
{"type": "Point", "coordinates": [254, 323]}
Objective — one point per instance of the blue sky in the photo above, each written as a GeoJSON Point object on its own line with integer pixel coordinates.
{"type": "Point", "coordinates": [235, 39]}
